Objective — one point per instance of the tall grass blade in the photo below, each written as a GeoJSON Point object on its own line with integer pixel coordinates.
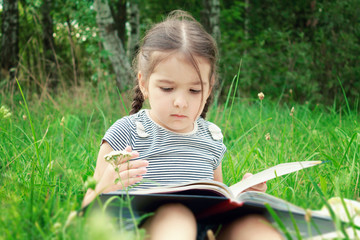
{"type": "Point", "coordinates": [228, 99]}
{"type": "Point", "coordinates": [122, 101]}
{"type": "Point", "coordinates": [278, 221]}
{"type": "Point", "coordinates": [347, 150]}
{"type": "Point", "coordinates": [33, 163]}
{"type": "Point", "coordinates": [335, 218]}
{"type": "Point", "coordinates": [346, 100]}
{"type": "Point", "coordinates": [233, 95]}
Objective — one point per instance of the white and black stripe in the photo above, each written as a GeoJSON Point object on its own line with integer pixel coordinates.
{"type": "Point", "coordinates": [172, 157]}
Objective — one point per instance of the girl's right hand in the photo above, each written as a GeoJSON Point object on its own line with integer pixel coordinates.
{"type": "Point", "coordinates": [129, 173]}
{"type": "Point", "coordinates": [105, 174]}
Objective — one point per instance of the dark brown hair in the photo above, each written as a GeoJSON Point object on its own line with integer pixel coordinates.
{"type": "Point", "coordinates": [179, 32]}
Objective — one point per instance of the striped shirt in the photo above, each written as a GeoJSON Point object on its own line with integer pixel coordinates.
{"type": "Point", "coordinates": [173, 157]}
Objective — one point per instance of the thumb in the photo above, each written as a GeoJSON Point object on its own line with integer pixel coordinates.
{"type": "Point", "coordinates": [247, 175]}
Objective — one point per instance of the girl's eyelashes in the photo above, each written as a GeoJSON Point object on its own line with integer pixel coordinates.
{"type": "Point", "coordinates": [195, 91]}
{"type": "Point", "coordinates": [169, 89]}
{"type": "Point", "coordinates": [166, 89]}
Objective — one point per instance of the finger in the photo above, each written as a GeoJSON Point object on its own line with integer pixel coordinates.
{"type": "Point", "coordinates": [247, 175]}
{"type": "Point", "coordinates": [133, 165]}
{"type": "Point", "coordinates": [128, 149]}
{"type": "Point", "coordinates": [259, 187]}
{"type": "Point", "coordinates": [130, 181]}
{"type": "Point", "coordinates": [133, 154]}
{"type": "Point", "coordinates": [132, 173]}
{"type": "Point", "coordinates": [130, 177]}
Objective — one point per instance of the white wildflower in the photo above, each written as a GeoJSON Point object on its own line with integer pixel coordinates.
{"type": "Point", "coordinates": [4, 112]}
{"type": "Point", "coordinates": [115, 157]}
{"type": "Point", "coordinates": [261, 96]}
{"type": "Point", "coordinates": [292, 111]}
{"type": "Point", "coordinates": [62, 121]}
{"type": "Point", "coordinates": [267, 136]}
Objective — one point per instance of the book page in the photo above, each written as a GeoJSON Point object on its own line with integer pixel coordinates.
{"type": "Point", "coordinates": [274, 202]}
{"type": "Point", "coordinates": [209, 185]}
{"type": "Point", "coordinates": [270, 173]}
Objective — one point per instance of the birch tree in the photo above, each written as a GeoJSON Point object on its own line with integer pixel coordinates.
{"type": "Point", "coordinates": [9, 46]}
{"type": "Point", "coordinates": [113, 44]}
{"type": "Point", "coordinates": [211, 18]}
{"type": "Point", "coordinates": [133, 38]}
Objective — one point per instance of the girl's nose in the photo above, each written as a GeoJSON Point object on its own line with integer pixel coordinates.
{"type": "Point", "coordinates": [180, 102]}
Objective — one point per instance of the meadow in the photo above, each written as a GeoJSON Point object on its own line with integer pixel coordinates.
{"type": "Point", "coordinates": [49, 148]}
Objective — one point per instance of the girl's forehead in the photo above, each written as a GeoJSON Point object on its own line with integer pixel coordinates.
{"type": "Point", "coordinates": [159, 56]}
{"type": "Point", "coordinates": [200, 64]}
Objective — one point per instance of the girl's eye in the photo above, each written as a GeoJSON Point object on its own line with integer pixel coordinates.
{"type": "Point", "coordinates": [195, 91]}
{"type": "Point", "coordinates": [166, 89]}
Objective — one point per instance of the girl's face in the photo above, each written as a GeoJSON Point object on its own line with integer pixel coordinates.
{"type": "Point", "coordinates": [175, 94]}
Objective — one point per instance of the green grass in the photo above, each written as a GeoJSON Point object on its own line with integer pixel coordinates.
{"type": "Point", "coordinates": [48, 150]}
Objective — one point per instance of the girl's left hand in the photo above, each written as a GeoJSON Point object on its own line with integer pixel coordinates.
{"type": "Point", "coordinates": [261, 187]}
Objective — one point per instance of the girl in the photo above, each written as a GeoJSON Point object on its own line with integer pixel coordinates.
{"type": "Point", "coordinates": [176, 73]}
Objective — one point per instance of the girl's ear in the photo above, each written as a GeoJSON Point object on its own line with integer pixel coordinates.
{"type": "Point", "coordinates": [142, 85]}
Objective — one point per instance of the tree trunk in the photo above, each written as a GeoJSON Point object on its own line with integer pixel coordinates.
{"type": "Point", "coordinates": [211, 18]}
{"type": "Point", "coordinates": [246, 22]}
{"type": "Point", "coordinates": [119, 14]}
{"type": "Point", "coordinates": [48, 44]}
{"type": "Point", "coordinates": [72, 49]}
{"type": "Point", "coordinates": [133, 40]}
{"type": "Point", "coordinates": [9, 47]}
{"type": "Point", "coordinates": [113, 45]}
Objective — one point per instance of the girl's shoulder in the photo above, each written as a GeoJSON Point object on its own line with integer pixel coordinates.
{"type": "Point", "coordinates": [211, 128]}
{"type": "Point", "coordinates": [125, 131]}
{"type": "Point", "coordinates": [129, 123]}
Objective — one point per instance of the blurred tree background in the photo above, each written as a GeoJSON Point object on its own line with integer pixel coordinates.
{"type": "Point", "coordinates": [303, 51]}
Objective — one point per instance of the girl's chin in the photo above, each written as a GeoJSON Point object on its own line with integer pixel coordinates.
{"type": "Point", "coordinates": [180, 128]}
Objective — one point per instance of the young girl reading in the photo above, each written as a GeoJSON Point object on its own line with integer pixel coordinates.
{"type": "Point", "coordinates": [172, 142]}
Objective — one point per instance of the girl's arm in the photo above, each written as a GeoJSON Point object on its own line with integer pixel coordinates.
{"type": "Point", "coordinates": [105, 174]}
{"type": "Point", "coordinates": [218, 174]}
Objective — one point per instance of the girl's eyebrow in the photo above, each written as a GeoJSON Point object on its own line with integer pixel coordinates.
{"type": "Point", "coordinates": [172, 82]}
{"type": "Point", "coordinates": [165, 81]}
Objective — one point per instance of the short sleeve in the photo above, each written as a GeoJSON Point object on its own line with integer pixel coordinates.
{"type": "Point", "coordinates": [119, 134]}
{"type": "Point", "coordinates": [220, 156]}
{"type": "Point", "coordinates": [219, 147]}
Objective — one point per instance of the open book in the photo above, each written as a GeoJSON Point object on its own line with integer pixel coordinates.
{"type": "Point", "coordinates": [214, 201]}
{"type": "Point", "coordinates": [233, 192]}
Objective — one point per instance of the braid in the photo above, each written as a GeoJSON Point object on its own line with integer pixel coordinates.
{"type": "Point", "coordinates": [138, 100]}
{"type": "Point", "coordinates": [206, 107]}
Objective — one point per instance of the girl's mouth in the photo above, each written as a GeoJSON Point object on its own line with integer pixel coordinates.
{"type": "Point", "coordinates": [178, 115]}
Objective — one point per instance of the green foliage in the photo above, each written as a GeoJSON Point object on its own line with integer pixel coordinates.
{"type": "Point", "coordinates": [304, 46]}
{"type": "Point", "coordinates": [40, 190]}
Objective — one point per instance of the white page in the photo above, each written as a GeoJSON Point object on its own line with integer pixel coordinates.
{"type": "Point", "coordinates": [270, 173]}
